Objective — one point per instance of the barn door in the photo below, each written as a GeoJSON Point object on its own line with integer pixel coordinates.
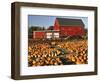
{"type": "Point", "coordinates": [56, 35]}
{"type": "Point", "coordinates": [48, 35]}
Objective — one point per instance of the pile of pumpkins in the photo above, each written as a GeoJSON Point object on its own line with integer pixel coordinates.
{"type": "Point", "coordinates": [42, 54]}
{"type": "Point", "coordinates": [77, 51]}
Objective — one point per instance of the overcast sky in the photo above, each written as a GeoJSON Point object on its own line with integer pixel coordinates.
{"type": "Point", "coordinates": [46, 21]}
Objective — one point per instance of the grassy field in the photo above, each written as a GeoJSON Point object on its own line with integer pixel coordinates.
{"type": "Point", "coordinates": [57, 52]}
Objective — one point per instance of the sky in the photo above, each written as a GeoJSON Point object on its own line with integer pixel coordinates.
{"type": "Point", "coordinates": [46, 21]}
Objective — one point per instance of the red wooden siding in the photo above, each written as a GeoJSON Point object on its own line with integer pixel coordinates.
{"type": "Point", "coordinates": [71, 30]}
{"type": "Point", "coordinates": [56, 25]}
{"type": "Point", "coordinates": [38, 34]}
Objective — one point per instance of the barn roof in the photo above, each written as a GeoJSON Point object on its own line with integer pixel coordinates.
{"type": "Point", "coordinates": [50, 27]}
{"type": "Point", "coordinates": [67, 21]}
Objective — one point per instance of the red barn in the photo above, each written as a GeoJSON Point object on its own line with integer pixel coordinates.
{"type": "Point", "coordinates": [63, 27]}
{"type": "Point", "coordinates": [69, 27]}
{"type": "Point", "coordinates": [45, 34]}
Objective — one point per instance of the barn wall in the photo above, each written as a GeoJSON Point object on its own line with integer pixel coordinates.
{"type": "Point", "coordinates": [39, 35]}
{"type": "Point", "coordinates": [71, 30]}
{"type": "Point", "coordinates": [56, 25]}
